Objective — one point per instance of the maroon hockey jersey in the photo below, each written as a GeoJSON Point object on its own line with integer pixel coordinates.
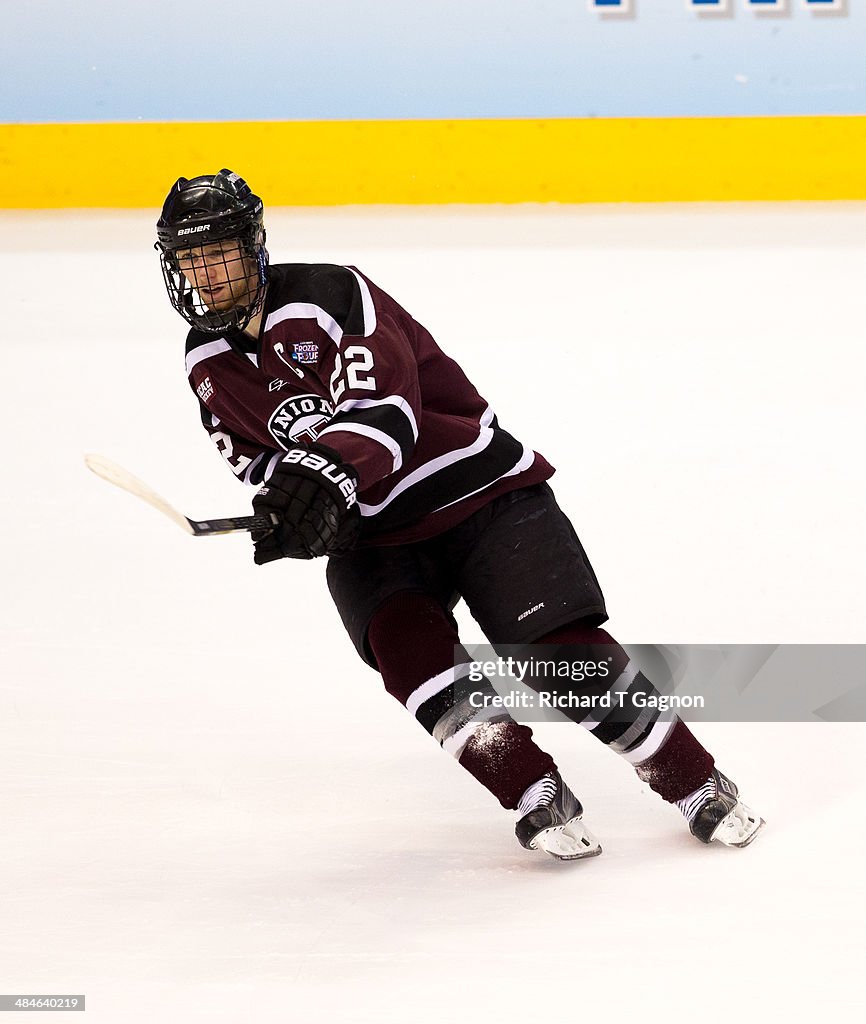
{"type": "Point", "coordinates": [339, 361]}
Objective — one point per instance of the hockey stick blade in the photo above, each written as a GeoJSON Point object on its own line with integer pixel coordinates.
{"type": "Point", "coordinates": [122, 478]}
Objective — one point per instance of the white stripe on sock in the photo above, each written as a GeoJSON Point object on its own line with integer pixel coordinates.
{"type": "Point", "coordinates": [620, 685]}
{"type": "Point", "coordinates": [455, 744]}
{"type": "Point", "coordinates": [435, 685]}
{"type": "Point", "coordinates": [654, 741]}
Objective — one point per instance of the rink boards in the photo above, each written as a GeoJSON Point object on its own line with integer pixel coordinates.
{"type": "Point", "coordinates": [322, 163]}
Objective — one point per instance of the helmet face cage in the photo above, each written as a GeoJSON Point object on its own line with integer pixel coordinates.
{"type": "Point", "coordinates": [218, 285]}
{"type": "Point", "coordinates": [212, 252]}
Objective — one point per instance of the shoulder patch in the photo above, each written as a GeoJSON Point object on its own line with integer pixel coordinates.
{"type": "Point", "coordinates": [205, 390]}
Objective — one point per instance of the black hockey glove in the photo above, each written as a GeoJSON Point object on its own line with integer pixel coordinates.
{"type": "Point", "coordinates": [314, 494]}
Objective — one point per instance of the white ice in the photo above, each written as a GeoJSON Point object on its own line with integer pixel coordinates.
{"type": "Point", "coordinates": [211, 811]}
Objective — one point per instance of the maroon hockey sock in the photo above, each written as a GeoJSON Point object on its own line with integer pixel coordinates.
{"type": "Point", "coordinates": [660, 745]}
{"type": "Point", "coordinates": [414, 643]}
{"type": "Point", "coordinates": [679, 767]}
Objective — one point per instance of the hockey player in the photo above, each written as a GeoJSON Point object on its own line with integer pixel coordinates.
{"type": "Point", "coordinates": [375, 450]}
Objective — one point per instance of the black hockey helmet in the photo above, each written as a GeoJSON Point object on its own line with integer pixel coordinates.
{"type": "Point", "coordinates": [199, 213]}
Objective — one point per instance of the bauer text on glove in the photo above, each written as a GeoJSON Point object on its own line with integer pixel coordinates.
{"type": "Point", "coordinates": [314, 494]}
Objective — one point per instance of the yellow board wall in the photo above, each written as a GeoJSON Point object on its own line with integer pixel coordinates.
{"type": "Point", "coordinates": [305, 163]}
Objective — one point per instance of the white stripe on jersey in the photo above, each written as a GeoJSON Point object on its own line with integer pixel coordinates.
{"type": "Point", "coordinates": [251, 467]}
{"type": "Point", "coordinates": [310, 311]}
{"type": "Point", "coordinates": [485, 436]}
{"type": "Point", "coordinates": [375, 435]}
{"type": "Point", "coordinates": [306, 311]}
{"type": "Point", "coordinates": [524, 462]}
{"type": "Point", "coordinates": [366, 305]}
{"type": "Point", "coordinates": [211, 348]}
{"type": "Point", "coordinates": [271, 466]}
{"type": "Point", "coordinates": [371, 403]}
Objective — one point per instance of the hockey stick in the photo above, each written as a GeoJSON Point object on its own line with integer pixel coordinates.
{"type": "Point", "coordinates": [118, 476]}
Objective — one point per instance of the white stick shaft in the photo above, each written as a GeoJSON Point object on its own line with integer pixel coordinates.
{"type": "Point", "coordinates": [120, 477]}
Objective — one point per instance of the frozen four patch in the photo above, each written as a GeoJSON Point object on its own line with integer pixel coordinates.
{"type": "Point", "coordinates": [305, 352]}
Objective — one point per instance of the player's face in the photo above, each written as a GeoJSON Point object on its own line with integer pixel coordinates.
{"type": "Point", "coordinates": [220, 272]}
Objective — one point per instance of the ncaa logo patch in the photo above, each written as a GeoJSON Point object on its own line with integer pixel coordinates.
{"type": "Point", "coordinates": [299, 419]}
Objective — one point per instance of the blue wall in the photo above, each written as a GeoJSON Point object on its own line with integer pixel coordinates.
{"type": "Point", "coordinates": [99, 60]}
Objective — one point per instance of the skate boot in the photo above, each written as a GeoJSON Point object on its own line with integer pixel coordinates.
{"type": "Point", "coordinates": [551, 821]}
{"type": "Point", "coordinates": [716, 813]}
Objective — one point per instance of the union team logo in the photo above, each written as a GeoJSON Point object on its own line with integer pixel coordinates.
{"type": "Point", "coordinates": [299, 418]}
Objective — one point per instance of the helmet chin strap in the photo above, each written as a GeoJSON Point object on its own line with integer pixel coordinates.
{"type": "Point", "coordinates": [245, 318]}
{"type": "Point", "coordinates": [254, 324]}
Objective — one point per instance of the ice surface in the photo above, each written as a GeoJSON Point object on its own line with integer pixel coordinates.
{"type": "Point", "coordinates": [211, 811]}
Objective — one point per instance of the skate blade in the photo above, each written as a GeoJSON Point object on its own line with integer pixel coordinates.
{"type": "Point", "coordinates": [571, 841]}
{"type": "Point", "coordinates": [739, 828]}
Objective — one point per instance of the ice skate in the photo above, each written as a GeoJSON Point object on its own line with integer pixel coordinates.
{"type": "Point", "coordinates": [553, 821]}
{"type": "Point", "coordinates": [716, 813]}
